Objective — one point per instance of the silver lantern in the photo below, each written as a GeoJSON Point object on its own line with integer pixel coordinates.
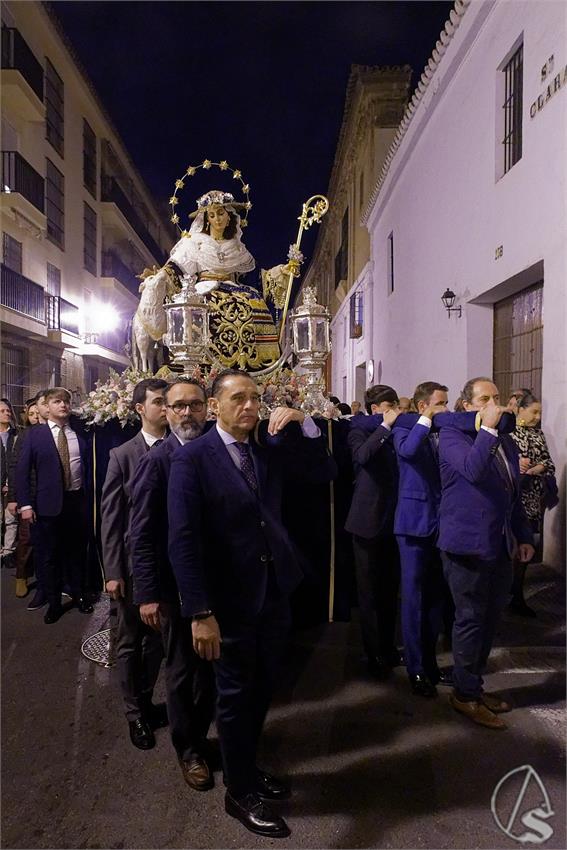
{"type": "Point", "coordinates": [311, 345]}
{"type": "Point", "coordinates": [187, 334]}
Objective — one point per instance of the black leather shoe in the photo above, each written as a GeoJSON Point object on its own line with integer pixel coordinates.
{"type": "Point", "coordinates": [446, 677]}
{"type": "Point", "coordinates": [256, 816]}
{"type": "Point", "coordinates": [83, 605]}
{"type": "Point", "coordinates": [422, 686]}
{"type": "Point", "coordinates": [268, 787]}
{"type": "Point", "coordinates": [53, 613]}
{"type": "Point", "coordinates": [521, 608]}
{"type": "Point", "coordinates": [141, 735]}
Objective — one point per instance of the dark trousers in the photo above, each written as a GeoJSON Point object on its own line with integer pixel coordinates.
{"type": "Point", "coordinates": [139, 654]}
{"type": "Point", "coordinates": [377, 562]}
{"type": "Point", "coordinates": [423, 591]}
{"type": "Point", "coordinates": [62, 541]}
{"type": "Point", "coordinates": [190, 685]}
{"type": "Point", "coordinates": [480, 590]}
{"type": "Point", "coordinates": [246, 674]}
{"type": "Point", "coordinates": [23, 556]}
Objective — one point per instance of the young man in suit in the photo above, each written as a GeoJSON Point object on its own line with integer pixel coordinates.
{"type": "Point", "coordinates": [55, 456]}
{"type": "Point", "coordinates": [189, 679]}
{"type": "Point", "coordinates": [138, 647]}
{"type": "Point", "coordinates": [371, 523]}
{"type": "Point", "coordinates": [482, 526]}
{"type": "Point", "coordinates": [416, 525]}
{"type": "Point", "coordinates": [235, 568]}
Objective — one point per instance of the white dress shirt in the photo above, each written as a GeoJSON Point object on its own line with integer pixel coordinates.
{"type": "Point", "coordinates": [150, 439]}
{"type": "Point", "coordinates": [74, 452]}
{"type": "Point", "coordinates": [308, 427]}
{"type": "Point", "coordinates": [501, 452]}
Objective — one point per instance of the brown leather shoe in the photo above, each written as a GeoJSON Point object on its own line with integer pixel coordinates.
{"type": "Point", "coordinates": [476, 711]}
{"type": "Point", "coordinates": [495, 703]}
{"type": "Point", "coordinates": [196, 774]}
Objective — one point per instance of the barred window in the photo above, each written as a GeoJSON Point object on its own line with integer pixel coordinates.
{"type": "Point", "coordinates": [89, 245]}
{"type": "Point", "coordinates": [513, 73]}
{"type": "Point", "coordinates": [89, 158]}
{"type": "Point", "coordinates": [54, 108]}
{"type": "Point", "coordinates": [53, 280]}
{"type": "Point", "coordinates": [356, 314]}
{"type": "Point", "coordinates": [55, 204]}
{"type": "Point", "coordinates": [12, 253]}
{"type": "Point", "coordinates": [15, 377]}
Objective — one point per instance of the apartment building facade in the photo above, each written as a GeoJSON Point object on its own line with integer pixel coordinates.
{"type": "Point", "coordinates": [77, 222]}
{"type": "Point", "coordinates": [341, 264]}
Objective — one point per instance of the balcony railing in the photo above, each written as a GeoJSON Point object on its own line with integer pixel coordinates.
{"type": "Point", "coordinates": [113, 266]}
{"type": "Point", "coordinates": [22, 294]}
{"type": "Point", "coordinates": [19, 176]}
{"type": "Point", "coordinates": [111, 191]}
{"type": "Point", "coordinates": [16, 55]}
{"type": "Point", "coordinates": [62, 315]}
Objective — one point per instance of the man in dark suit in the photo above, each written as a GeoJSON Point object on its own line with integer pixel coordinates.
{"type": "Point", "coordinates": [138, 647]}
{"type": "Point", "coordinates": [235, 568]}
{"type": "Point", "coordinates": [371, 523]}
{"type": "Point", "coordinates": [482, 525]}
{"type": "Point", "coordinates": [56, 457]}
{"type": "Point", "coordinates": [416, 525]}
{"type": "Point", "coordinates": [189, 679]}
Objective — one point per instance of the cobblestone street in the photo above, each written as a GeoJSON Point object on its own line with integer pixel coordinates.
{"type": "Point", "coordinates": [371, 765]}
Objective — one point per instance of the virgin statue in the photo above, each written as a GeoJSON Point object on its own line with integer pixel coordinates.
{"type": "Point", "coordinates": [212, 255]}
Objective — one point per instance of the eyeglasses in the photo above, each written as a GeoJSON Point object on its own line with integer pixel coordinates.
{"type": "Point", "coordinates": [181, 406]}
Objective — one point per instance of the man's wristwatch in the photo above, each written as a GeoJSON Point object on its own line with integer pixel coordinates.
{"type": "Point", "coordinates": [202, 615]}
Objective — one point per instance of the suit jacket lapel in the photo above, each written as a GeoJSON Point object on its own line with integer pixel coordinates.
{"type": "Point", "coordinates": [225, 464]}
{"type": "Point", "coordinates": [261, 464]}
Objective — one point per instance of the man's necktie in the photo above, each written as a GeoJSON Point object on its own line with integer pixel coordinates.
{"type": "Point", "coordinates": [247, 466]}
{"type": "Point", "coordinates": [63, 449]}
{"type": "Point", "coordinates": [156, 444]}
{"type": "Point", "coordinates": [503, 470]}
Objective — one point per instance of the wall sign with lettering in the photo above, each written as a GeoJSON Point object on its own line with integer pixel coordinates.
{"type": "Point", "coordinates": [559, 81]}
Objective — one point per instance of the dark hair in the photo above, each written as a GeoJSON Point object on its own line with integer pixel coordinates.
{"type": "Point", "coordinates": [377, 394]}
{"type": "Point", "coordinates": [344, 408]}
{"type": "Point", "coordinates": [334, 399]}
{"type": "Point", "coordinates": [527, 399]}
{"type": "Point", "coordinates": [10, 406]}
{"type": "Point", "coordinates": [58, 393]}
{"type": "Point", "coordinates": [30, 401]}
{"type": "Point", "coordinates": [424, 391]}
{"type": "Point", "coordinates": [41, 394]}
{"type": "Point", "coordinates": [191, 381]}
{"type": "Point", "coordinates": [459, 406]}
{"type": "Point", "coordinates": [141, 388]}
{"type": "Point", "coordinates": [468, 389]}
{"type": "Point", "coordinates": [230, 229]}
{"type": "Point", "coordinates": [223, 376]}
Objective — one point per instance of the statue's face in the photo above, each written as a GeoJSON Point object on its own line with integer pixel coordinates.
{"type": "Point", "coordinates": [218, 218]}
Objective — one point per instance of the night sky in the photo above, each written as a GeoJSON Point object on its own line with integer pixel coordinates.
{"type": "Point", "coordinates": [261, 85]}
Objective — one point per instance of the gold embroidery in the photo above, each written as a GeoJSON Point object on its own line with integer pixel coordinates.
{"type": "Point", "coordinates": [242, 330]}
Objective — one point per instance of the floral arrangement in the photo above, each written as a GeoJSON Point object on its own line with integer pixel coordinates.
{"type": "Point", "coordinates": [113, 398]}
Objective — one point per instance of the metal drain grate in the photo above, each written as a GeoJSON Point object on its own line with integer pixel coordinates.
{"type": "Point", "coordinates": [100, 648]}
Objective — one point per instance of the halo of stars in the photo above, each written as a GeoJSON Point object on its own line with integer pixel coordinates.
{"type": "Point", "coordinates": [190, 171]}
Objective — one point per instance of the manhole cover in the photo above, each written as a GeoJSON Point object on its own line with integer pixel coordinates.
{"type": "Point", "coordinates": [100, 648]}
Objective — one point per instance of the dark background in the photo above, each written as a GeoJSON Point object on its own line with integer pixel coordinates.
{"type": "Point", "coordinates": [261, 85]}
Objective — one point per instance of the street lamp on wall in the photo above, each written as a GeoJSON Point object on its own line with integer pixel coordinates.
{"type": "Point", "coordinates": [448, 299]}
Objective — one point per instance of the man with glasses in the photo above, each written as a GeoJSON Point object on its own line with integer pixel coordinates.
{"type": "Point", "coordinates": [138, 647]}
{"type": "Point", "coordinates": [189, 679]}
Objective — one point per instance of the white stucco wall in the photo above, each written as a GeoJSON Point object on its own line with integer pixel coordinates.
{"type": "Point", "coordinates": [448, 211]}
